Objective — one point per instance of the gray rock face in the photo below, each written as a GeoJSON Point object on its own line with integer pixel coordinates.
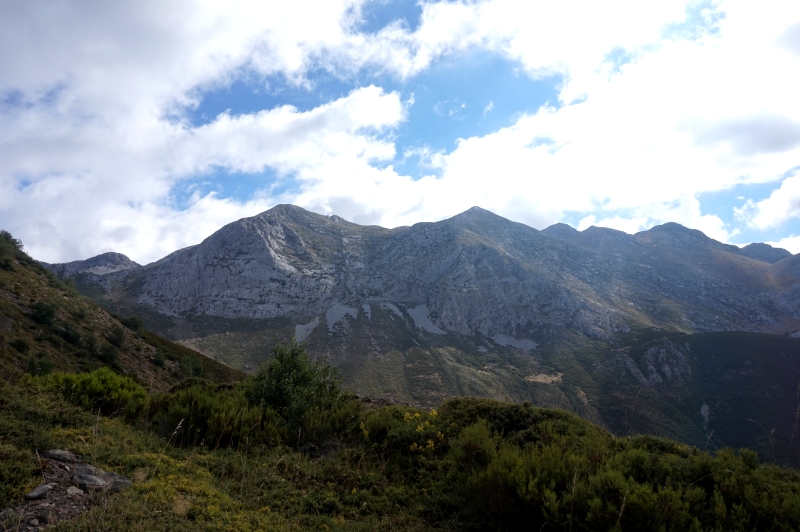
{"type": "Point", "coordinates": [475, 273]}
{"type": "Point", "coordinates": [96, 266]}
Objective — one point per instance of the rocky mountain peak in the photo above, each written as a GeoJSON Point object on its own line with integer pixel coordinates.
{"type": "Point", "coordinates": [102, 264]}
{"type": "Point", "coordinates": [764, 252]}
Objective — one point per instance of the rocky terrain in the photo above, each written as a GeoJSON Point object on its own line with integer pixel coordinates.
{"type": "Point", "coordinates": [476, 273]}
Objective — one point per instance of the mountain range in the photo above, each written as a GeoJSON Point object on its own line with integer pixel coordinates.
{"type": "Point", "coordinates": [665, 331]}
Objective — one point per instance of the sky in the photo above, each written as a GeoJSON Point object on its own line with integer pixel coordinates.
{"type": "Point", "coordinates": [144, 126]}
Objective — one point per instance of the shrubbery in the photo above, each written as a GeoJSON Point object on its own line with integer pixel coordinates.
{"type": "Point", "coordinates": [101, 391]}
{"type": "Point", "coordinates": [302, 393]}
{"type": "Point", "coordinates": [213, 416]}
{"type": "Point", "coordinates": [474, 464]}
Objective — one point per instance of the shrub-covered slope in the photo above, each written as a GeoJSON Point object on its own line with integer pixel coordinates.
{"type": "Point", "coordinates": [288, 451]}
{"type": "Point", "coordinates": [45, 326]}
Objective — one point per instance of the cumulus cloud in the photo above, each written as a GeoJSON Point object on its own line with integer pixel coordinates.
{"type": "Point", "coordinates": [781, 205]}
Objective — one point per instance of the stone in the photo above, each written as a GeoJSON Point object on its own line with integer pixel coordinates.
{"type": "Point", "coordinates": [91, 478]}
{"type": "Point", "coordinates": [39, 492]}
{"type": "Point", "coordinates": [60, 455]}
{"type": "Point", "coordinates": [90, 483]}
{"type": "Point", "coordinates": [73, 491]}
{"type": "Point", "coordinates": [46, 516]}
{"type": "Point", "coordinates": [33, 522]}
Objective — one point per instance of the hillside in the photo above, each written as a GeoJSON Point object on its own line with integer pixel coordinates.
{"type": "Point", "coordinates": [46, 325]}
{"type": "Point", "coordinates": [267, 455]}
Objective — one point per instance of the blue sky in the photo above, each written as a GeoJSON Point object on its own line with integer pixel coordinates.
{"type": "Point", "coordinates": [141, 127]}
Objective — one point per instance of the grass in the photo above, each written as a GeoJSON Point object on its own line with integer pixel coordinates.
{"type": "Point", "coordinates": [476, 464]}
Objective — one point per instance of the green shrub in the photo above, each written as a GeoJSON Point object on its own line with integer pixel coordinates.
{"type": "Point", "coordinates": [191, 366]}
{"type": "Point", "coordinates": [20, 345]}
{"type": "Point", "coordinates": [69, 333]}
{"type": "Point", "coordinates": [9, 247]}
{"type": "Point", "coordinates": [134, 323]}
{"type": "Point", "coordinates": [159, 359]}
{"type": "Point", "coordinates": [39, 365]}
{"type": "Point", "coordinates": [213, 416]}
{"type": "Point", "coordinates": [295, 388]}
{"type": "Point", "coordinates": [116, 336]}
{"type": "Point", "coordinates": [43, 312]}
{"type": "Point", "coordinates": [108, 354]}
{"type": "Point", "coordinates": [101, 390]}
{"type": "Point", "coordinates": [17, 466]}
{"type": "Point", "coordinates": [90, 345]}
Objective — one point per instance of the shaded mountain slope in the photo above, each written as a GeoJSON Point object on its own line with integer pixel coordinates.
{"type": "Point", "coordinates": [45, 325]}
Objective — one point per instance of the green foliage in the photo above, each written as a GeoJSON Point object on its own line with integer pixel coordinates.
{"type": "Point", "coordinates": [9, 248]}
{"type": "Point", "coordinates": [209, 415]}
{"type": "Point", "coordinates": [298, 390]}
{"type": "Point", "coordinates": [69, 333]}
{"type": "Point", "coordinates": [116, 336]}
{"type": "Point", "coordinates": [43, 312]}
{"type": "Point", "coordinates": [108, 354]}
{"type": "Point", "coordinates": [17, 466]}
{"type": "Point", "coordinates": [101, 390]}
{"type": "Point", "coordinates": [20, 345]}
{"type": "Point", "coordinates": [90, 345]}
{"type": "Point", "coordinates": [134, 323]}
{"type": "Point", "coordinates": [39, 365]}
{"type": "Point", "coordinates": [474, 465]}
{"type": "Point", "coordinates": [191, 367]}
{"type": "Point", "coordinates": [159, 359]}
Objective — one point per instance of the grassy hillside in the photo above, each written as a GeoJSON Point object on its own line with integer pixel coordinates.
{"type": "Point", "coordinates": [473, 464]}
{"type": "Point", "coordinates": [45, 326]}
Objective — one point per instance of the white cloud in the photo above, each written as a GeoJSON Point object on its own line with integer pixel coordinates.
{"type": "Point", "coordinates": [782, 205]}
{"type": "Point", "coordinates": [790, 243]}
{"type": "Point", "coordinates": [93, 135]}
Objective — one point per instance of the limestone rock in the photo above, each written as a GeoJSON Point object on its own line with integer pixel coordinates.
{"type": "Point", "coordinates": [60, 455]}
{"type": "Point", "coordinates": [475, 273]}
{"type": "Point", "coordinates": [39, 492]}
{"type": "Point", "coordinates": [89, 478]}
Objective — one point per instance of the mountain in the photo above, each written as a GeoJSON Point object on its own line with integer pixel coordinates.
{"type": "Point", "coordinates": [621, 329]}
{"type": "Point", "coordinates": [764, 252]}
{"type": "Point", "coordinates": [99, 265]}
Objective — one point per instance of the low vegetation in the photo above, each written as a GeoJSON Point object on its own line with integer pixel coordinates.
{"type": "Point", "coordinates": [289, 450]}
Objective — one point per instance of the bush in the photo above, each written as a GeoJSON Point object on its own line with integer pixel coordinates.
{"type": "Point", "coordinates": [39, 365]}
{"type": "Point", "coordinates": [116, 336]}
{"type": "Point", "coordinates": [101, 390]}
{"type": "Point", "coordinates": [108, 354]}
{"type": "Point", "coordinates": [17, 466]}
{"type": "Point", "coordinates": [191, 366]}
{"type": "Point", "coordinates": [134, 323]}
{"type": "Point", "coordinates": [70, 334]}
{"type": "Point", "coordinates": [44, 313]}
{"type": "Point", "coordinates": [159, 359]}
{"type": "Point", "coordinates": [90, 345]}
{"type": "Point", "coordinates": [20, 345]}
{"type": "Point", "coordinates": [298, 390]}
{"type": "Point", "coordinates": [212, 416]}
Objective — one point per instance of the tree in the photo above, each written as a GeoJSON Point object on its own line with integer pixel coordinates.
{"type": "Point", "coordinates": [293, 386]}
